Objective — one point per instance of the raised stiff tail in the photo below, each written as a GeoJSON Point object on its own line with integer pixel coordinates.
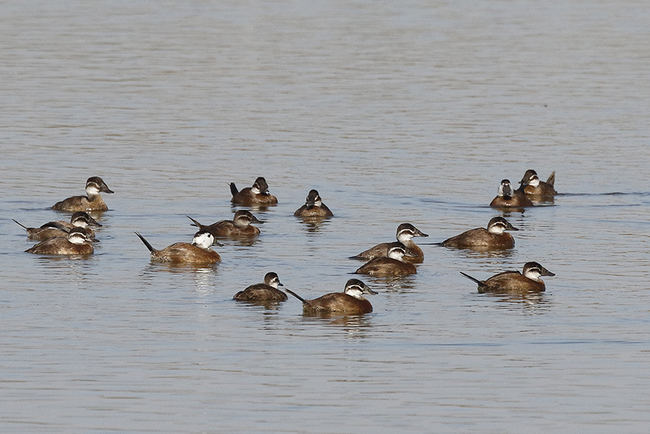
{"type": "Point", "coordinates": [146, 243]}
{"type": "Point", "coordinates": [20, 224]}
{"type": "Point", "coordinates": [195, 223]}
{"type": "Point", "coordinates": [233, 189]}
{"type": "Point", "coordinates": [551, 179]}
{"type": "Point", "coordinates": [296, 295]}
{"type": "Point", "coordinates": [471, 278]}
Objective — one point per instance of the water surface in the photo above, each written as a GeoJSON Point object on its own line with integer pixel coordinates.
{"type": "Point", "coordinates": [394, 112]}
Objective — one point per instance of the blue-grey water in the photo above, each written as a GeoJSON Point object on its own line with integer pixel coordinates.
{"type": "Point", "coordinates": [396, 112]}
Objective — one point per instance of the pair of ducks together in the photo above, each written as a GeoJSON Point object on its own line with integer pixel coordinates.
{"type": "Point", "coordinates": [531, 191]}
{"type": "Point", "coordinates": [76, 236]}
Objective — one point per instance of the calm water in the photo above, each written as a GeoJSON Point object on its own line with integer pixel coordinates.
{"type": "Point", "coordinates": [402, 111]}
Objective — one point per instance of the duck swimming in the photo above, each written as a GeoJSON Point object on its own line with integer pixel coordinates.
{"type": "Point", "coordinates": [349, 302]}
{"type": "Point", "coordinates": [536, 190]}
{"type": "Point", "coordinates": [263, 292]}
{"type": "Point", "coordinates": [61, 228]}
{"type": "Point", "coordinates": [507, 198]}
{"type": "Point", "coordinates": [91, 202]}
{"type": "Point", "coordinates": [257, 195]}
{"type": "Point", "coordinates": [75, 243]}
{"type": "Point", "coordinates": [393, 265]}
{"type": "Point", "coordinates": [198, 252]}
{"type": "Point", "coordinates": [313, 207]}
{"type": "Point", "coordinates": [239, 227]}
{"type": "Point", "coordinates": [404, 234]}
{"type": "Point", "coordinates": [514, 281]}
{"type": "Point", "coordinates": [492, 238]}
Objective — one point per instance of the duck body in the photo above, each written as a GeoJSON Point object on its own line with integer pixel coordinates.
{"type": "Point", "coordinates": [263, 292]}
{"type": "Point", "coordinates": [91, 202]}
{"type": "Point", "coordinates": [44, 232]}
{"type": "Point", "coordinates": [338, 302]}
{"type": "Point", "coordinates": [537, 190]}
{"type": "Point", "coordinates": [492, 238]}
{"type": "Point", "coordinates": [514, 281]}
{"type": "Point", "coordinates": [404, 234]}
{"type": "Point", "coordinates": [75, 243]}
{"type": "Point", "coordinates": [260, 292]}
{"type": "Point", "coordinates": [258, 194]}
{"type": "Point", "coordinates": [348, 302]}
{"type": "Point", "coordinates": [313, 207]}
{"type": "Point", "coordinates": [61, 228]}
{"type": "Point", "coordinates": [185, 253]}
{"type": "Point", "coordinates": [480, 238]}
{"type": "Point", "coordinates": [239, 227]}
{"type": "Point", "coordinates": [386, 267]}
{"type": "Point", "coordinates": [509, 198]}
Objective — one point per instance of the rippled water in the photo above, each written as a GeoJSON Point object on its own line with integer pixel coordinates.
{"type": "Point", "coordinates": [394, 112]}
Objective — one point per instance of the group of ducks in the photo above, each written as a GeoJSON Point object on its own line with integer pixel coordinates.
{"type": "Point", "coordinates": [391, 259]}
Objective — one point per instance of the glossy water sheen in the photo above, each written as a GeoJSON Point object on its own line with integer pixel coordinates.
{"type": "Point", "coordinates": [404, 111]}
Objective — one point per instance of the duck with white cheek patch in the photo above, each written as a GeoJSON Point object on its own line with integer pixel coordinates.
{"type": "Point", "coordinates": [197, 253]}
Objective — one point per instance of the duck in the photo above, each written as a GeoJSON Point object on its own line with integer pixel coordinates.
{"type": "Point", "coordinates": [536, 190]}
{"type": "Point", "coordinates": [61, 228]}
{"type": "Point", "coordinates": [263, 292]}
{"type": "Point", "coordinates": [514, 281]}
{"type": "Point", "coordinates": [349, 302]}
{"type": "Point", "coordinates": [492, 238]}
{"type": "Point", "coordinates": [313, 207]}
{"type": "Point", "coordinates": [404, 234]}
{"type": "Point", "coordinates": [76, 242]}
{"type": "Point", "coordinates": [91, 202]}
{"type": "Point", "coordinates": [197, 253]}
{"type": "Point", "coordinates": [257, 195]}
{"type": "Point", "coordinates": [391, 266]}
{"type": "Point", "coordinates": [509, 198]}
{"type": "Point", "coordinates": [239, 227]}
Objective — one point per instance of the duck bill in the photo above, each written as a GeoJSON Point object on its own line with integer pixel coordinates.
{"type": "Point", "coordinates": [545, 272]}
{"type": "Point", "coordinates": [94, 222]}
{"type": "Point", "coordinates": [104, 188]}
{"type": "Point", "coordinates": [511, 228]}
{"type": "Point", "coordinates": [367, 290]}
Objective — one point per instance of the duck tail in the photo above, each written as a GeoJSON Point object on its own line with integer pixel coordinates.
{"type": "Point", "coordinates": [551, 179]}
{"type": "Point", "coordinates": [146, 243]}
{"type": "Point", "coordinates": [195, 223]}
{"type": "Point", "coordinates": [233, 189]}
{"type": "Point", "coordinates": [20, 224]}
{"type": "Point", "coordinates": [296, 295]}
{"type": "Point", "coordinates": [471, 278]}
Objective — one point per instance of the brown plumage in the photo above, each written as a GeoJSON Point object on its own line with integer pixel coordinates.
{"type": "Point", "coordinates": [185, 253]}
{"type": "Point", "coordinates": [404, 234]}
{"type": "Point", "coordinates": [507, 198]}
{"type": "Point", "coordinates": [263, 292]}
{"type": "Point", "coordinates": [313, 207]}
{"type": "Point", "coordinates": [76, 243]}
{"type": "Point", "coordinates": [514, 281]}
{"type": "Point", "coordinates": [537, 190]}
{"type": "Point", "coordinates": [91, 202]}
{"type": "Point", "coordinates": [393, 266]}
{"type": "Point", "coordinates": [239, 227]}
{"type": "Point", "coordinates": [492, 238]}
{"type": "Point", "coordinates": [60, 228]}
{"type": "Point", "coordinates": [386, 267]}
{"type": "Point", "coordinates": [348, 302]}
{"type": "Point", "coordinates": [258, 194]}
